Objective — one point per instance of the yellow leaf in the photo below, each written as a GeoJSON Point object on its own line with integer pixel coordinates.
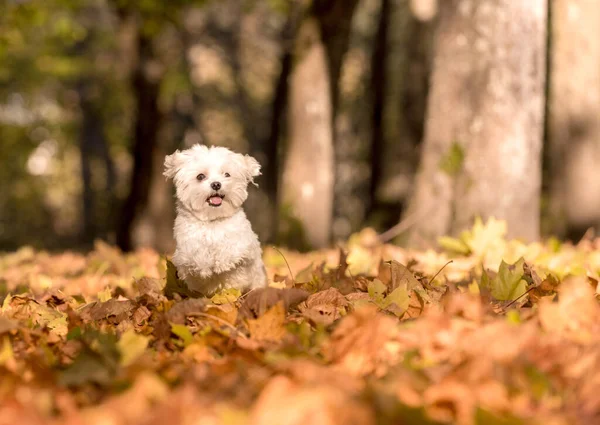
{"type": "Point", "coordinates": [105, 295]}
{"type": "Point", "coordinates": [305, 275]}
{"type": "Point", "coordinates": [361, 261]}
{"type": "Point", "coordinates": [398, 297]}
{"type": "Point", "coordinates": [226, 312]}
{"type": "Point", "coordinates": [197, 351]}
{"type": "Point", "coordinates": [454, 245]}
{"type": "Point", "coordinates": [6, 353]}
{"type": "Point", "coordinates": [376, 291]}
{"type": "Point", "coordinates": [474, 288]}
{"type": "Point", "coordinates": [184, 333]}
{"type": "Point", "coordinates": [6, 303]}
{"type": "Point", "coordinates": [269, 326]}
{"type": "Point", "coordinates": [486, 238]}
{"type": "Point", "coordinates": [226, 296]}
{"type": "Point", "coordinates": [55, 320]}
{"type": "Point", "coordinates": [59, 326]}
{"type": "Point", "coordinates": [131, 346]}
{"type": "Point", "coordinates": [509, 284]}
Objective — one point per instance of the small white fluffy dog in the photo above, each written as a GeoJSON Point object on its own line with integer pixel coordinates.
{"type": "Point", "coordinates": [215, 245]}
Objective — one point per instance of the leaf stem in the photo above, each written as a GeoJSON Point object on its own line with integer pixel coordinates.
{"type": "Point", "coordinates": [217, 319]}
{"type": "Point", "coordinates": [286, 262]}
{"type": "Point", "coordinates": [520, 296]}
{"type": "Point", "coordinates": [440, 270]}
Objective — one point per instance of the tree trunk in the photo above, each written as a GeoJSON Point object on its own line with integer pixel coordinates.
{"type": "Point", "coordinates": [266, 201]}
{"type": "Point", "coordinates": [407, 63]}
{"type": "Point", "coordinates": [379, 86]}
{"type": "Point", "coordinates": [354, 119]}
{"type": "Point", "coordinates": [484, 129]}
{"type": "Point", "coordinates": [307, 191]}
{"type": "Point", "coordinates": [574, 117]}
{"type": "Point", "coordinates": [93, 146]}
{"type": "Point", "coordinates": [335, 24]}
{"type": "Point", "coordinates": [270, 169]}
{"type": "Point", "coordinates": [89, 131]}
{"type": "Point", "coordinates": [146, 91]}
{"type": "Point", "coordinates": [155, 224]}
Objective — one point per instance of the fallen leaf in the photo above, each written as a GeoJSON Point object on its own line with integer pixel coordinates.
{"type": "Point", "coordinates": [358, 299]}
{"type": "Point", "coordinates": [393, 344]}
{"type": "Point", "coordinates": [283, 402]}
{"type": "Point", "coordinates": [450, 402]}
{"type": "Point", "coordinates": [258, 301]}
{"type": "Point", "coordinates": [377, 290]}
{"type": "Point", "coordinates": [179, 311]}
{"type": "Point", "coordinates": [547, 287]}
{"type": "Point", "coordinates": [397, 301]}
{"type": "Point", "coordinates": [175, 286]}
{"type": "Point", "coordinates": [269, 327]}
{"type": "Point", "coordinates": [362, 342]}
{"type": "Point", "coordinates": [140, 315]}
{"type": "Point", "coordinates": [361, 283]}
{"type": "Point", "coordinates": [328, 296]}
{"type": "Point", "coordinates": [226, 312]}
{"type": "Point", "coordinates": [96, 363]}
{"type": "Point", "coordinates": [394, 275]}
{"type": "Point", "coordinates": [305, 275]}
{"type": "Point", "coordinates": [6, 353]}
{"type": "Point", "coordinates": [105, 295]}
{"type": "Point", "coordinates": [509, 284]}
{"type": "Point", "coordinates": [576, 315]}
{"type": "Point", "coordinates": [102, 310]}
{"type": "Point", "coordinates": [324, 307]}
{"type": "Point", "coordinates": [55, 320]}
{"type": "Point", "coordinates": [150, 291]}
{"type": "Point", "coordinates": [131, 346]}
{"type": "Point", "coordinates": [226, 296]}
{"type": "Point", "coordinates": [483, 238]}
{"type": "Point", "coordinates": [7, 325]}
{"type": "Point", "coordinates": [454, 245]}
{"type": "Point", "coordinates": [148, 285]}
{"type": "Point", "coordinates": [183, 332]}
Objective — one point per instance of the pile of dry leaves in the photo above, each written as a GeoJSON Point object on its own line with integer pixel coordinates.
{"type": "Point", "coordinates": [483, 331]}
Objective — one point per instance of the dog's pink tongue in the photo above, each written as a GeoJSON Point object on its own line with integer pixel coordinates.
{"type": "Point", "coordinates": [216, 200]}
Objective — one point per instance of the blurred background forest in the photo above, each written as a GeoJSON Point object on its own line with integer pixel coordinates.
{"type": "Point", "coordinates": [409, 116]}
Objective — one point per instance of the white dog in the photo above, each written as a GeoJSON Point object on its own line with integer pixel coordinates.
{"type": "Point", "coordinates": [215, 245]}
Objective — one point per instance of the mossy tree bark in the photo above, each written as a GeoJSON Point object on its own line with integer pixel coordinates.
{"type": "Point", "coordinates": [484, 128]}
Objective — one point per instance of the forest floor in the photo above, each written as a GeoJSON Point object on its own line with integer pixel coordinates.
{"type": "Point", "coordinates": [505, 333]}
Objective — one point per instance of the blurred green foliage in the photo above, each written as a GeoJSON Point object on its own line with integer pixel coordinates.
{"type": "Point", "coordinates": [53, 52]}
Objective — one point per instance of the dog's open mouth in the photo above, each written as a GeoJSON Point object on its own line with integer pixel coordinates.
{"type": "Point", "coordinates": [215, 200]}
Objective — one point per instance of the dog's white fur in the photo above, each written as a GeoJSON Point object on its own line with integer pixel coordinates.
{"type": "Point", "coordinates": [215, 245]}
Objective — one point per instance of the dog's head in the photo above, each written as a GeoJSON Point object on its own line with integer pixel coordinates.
{"type": "Point", "coordinates": [212, 182]}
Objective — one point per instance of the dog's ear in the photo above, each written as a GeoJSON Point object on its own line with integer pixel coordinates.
{"type": "Point", "coordinates": [173, 163]}
{"type": "Point", "coordinates": [252, 167]}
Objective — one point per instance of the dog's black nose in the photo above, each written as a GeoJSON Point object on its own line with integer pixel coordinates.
{"type": "Point", "coordinates": [215, 185]}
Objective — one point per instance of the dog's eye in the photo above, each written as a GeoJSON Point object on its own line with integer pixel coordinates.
{"type": "Point", "coordinates": [200, 177]}
{"type": "Point", "coordinates": [227, 175]}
